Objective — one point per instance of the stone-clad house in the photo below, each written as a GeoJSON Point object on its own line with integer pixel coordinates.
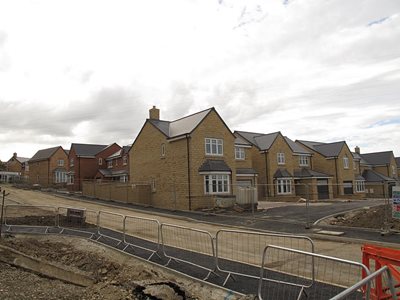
{"type": "Point", "coordinates": [190, 161]}
{"type": "Point", "coordinates": [337, 160]}
{"type": "Point", "coordinates": [48, 167]}
{"type": "Point", "coordinates": [117, 166]}
{"type": "Point", "coordinates": [18, 165]}
{"type": "Point", "coordinates": [283, 167]}
{"type": "Point", "coordinates": [85, 160]}
{"type": "Point", "coordinates": [380, 171]}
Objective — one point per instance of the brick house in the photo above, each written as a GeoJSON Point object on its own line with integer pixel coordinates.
{"type": "Point", "coordinates": [85, 160]}
{"type": "Point", "coordinates": [48, 167]}
{"type": "Point", "coordinates": [17, 164]}
{"type": "Point", "coordinates": [117, 166]}
{"type": "Point", "coordinates": [380, 171]}
{"type": "Point", "coordinates": [337, 160]}
{"type": "Point", "coordinates": [283, 168]}
{"type": "Point", "coordinates": [189, 162]}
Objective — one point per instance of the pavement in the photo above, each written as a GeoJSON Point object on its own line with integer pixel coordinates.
{"type": "Point", "coordinates": [291, 218]}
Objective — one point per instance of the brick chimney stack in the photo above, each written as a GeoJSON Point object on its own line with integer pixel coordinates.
{"type": "Point", "coordinates": [15, 155]}
{"type": "Point", "coordinates": [357, 149]}
{"type": "Point", "coordinates": [154, 113]}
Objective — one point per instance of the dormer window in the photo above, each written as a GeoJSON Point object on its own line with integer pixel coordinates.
{"type": "Point", "coordinates": [303, 161]}
{"type": "Point", "coordinates": [214, 146]}
{"type": "Point", "coordinates": [346, 162]}
{"type": "Point", "coordinates": [280, 158]}
{"type": "Point", "coordinates": [239, 153]}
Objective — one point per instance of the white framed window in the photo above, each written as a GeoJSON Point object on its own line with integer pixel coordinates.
{"type": "Point", "coordinates": [346, 162]}
{"type": "Point", "coordinates": [214, 146]}
{"type": "Point", "coordinates": [71, 162]}
{"type": "Point", "coordinates": [125, 160]}
{"type": "Point", "coordinates": [360, 186]}
{"type": "Point", "coordinates": [163, 150]}
{"type": "Point", "coordinates": [70, 179]}
{"type": "Point", "coordinates": [216, 184]}
{"type": "Point", "coordinates": [284, 186]}
{"type": "Point", "coordinates": [60, 163]}
{"type": "Point", "coordinates": [109, 164]}
{"type": "Point", "coordinates": [100, 161]}
{"type": "Point", "coordinates": [60, 177]}
{"type": "Point", "coordinates": [240, 153]}
{"type": "Point", "coordinates": [280, 158]}
{"type": "Point", "coordinates": [303, 160]}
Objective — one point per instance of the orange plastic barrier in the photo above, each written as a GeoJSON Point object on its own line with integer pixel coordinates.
{"type": "Point", "coordinates": [382, 257]}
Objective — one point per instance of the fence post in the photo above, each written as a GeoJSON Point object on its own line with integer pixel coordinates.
{"type": "Point", "coordinates": [308, 226]}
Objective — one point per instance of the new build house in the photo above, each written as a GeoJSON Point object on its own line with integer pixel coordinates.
{"type": "Point", "coordinates": [190, 161]}
{"type": "Point", "coordinates": [283, 168]}
{"type": "Point", "coordinates": [48, 167]}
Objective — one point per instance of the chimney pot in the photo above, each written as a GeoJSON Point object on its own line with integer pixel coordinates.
{"type": "Point", "coordinates": [357, 149]}
{"type": "Point", "coordinates": [15, 155]}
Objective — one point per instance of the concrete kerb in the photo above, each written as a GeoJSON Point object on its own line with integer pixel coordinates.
{"type": "Point", "coordinates": [311, 235]}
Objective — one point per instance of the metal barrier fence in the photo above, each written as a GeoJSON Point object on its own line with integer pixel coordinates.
{"type": "Point", "coordinates": [195, 247]}
{"type": "Point", "coordinates": [43, 216]}
{"type": "Point", "coordinates": [235, 248]}
{"type": "Point", "coordinates": [292, 274]}
{"type": "Point", "coordinates": [147, 230]}
{"type": "Point", "coordinates": [78, 219]}
{"type": "Point", "coordinates": [368, 283]}
{"type": "Point", "coordinates": [111, 225]}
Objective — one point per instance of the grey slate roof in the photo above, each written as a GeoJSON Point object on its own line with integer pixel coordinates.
{"type": "Point", "coordinates": [87, 149]}
{"type": "Point", "coordinates": [214, 166]}
{"type": "Point", "coordinates": [246, 171]}
{"type": "Point", "coordinates": [240, 141]}
{"type": "Point", "coordinates": [22, 159]}
{"type": "Point", "coordinates": [305, 172]}
{"type": "Point", "coordinates": [44, 154]}
{"type": "Point", "coordinates": [326, 149]}
{"type": "Point", "coordinates": [296, 148]}
{"type": "Point", "coordinates": [113, 173]}
{"type": "Point", "coordinates": [378, 158]}
{"type": "Point", "coordinates": [282, 173]}
{"type": "Point", "coordinates": [372, 176]}
{"type": "Point", "coordinates": [181, 126]}
{"type": "Point", "coordinates": [264, 141]}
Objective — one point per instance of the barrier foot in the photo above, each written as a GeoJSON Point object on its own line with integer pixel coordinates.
{"type": "Point", "coordinates": [209, 273]}
{"type": "Point", "coordinates": [302, 291]}
{"type": "Point", "coordinates": [227, 278]}
{"type": "Point", "coordinates": [158, 255]}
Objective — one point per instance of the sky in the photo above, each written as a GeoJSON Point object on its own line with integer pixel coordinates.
{"type": "Point", "coordinates": [89, 71]}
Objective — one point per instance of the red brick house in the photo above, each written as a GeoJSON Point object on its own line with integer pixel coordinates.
{"type": "Point", "coordinates": [48, 167]}
{"type": "Point", "coordinates": [85, 160]}
{"type": "Point", "coordinates": [117, 166]}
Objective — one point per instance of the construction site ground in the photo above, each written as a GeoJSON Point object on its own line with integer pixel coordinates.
{"type": "Point", "coordinates": [134, 279]}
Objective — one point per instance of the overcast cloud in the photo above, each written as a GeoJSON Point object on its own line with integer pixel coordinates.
{"type": "Point", "coordinates": [88, 71]}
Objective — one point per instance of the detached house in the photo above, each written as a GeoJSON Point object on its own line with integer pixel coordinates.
{"type": "Point", "coordinates": [337, 160]}
{"type": "Point", "coordinates": [17, 167]}
{"type": "Point", "coordinates": [283, 167]}
{"type": "Point", "coordinates": [380, 171]}
{"type": "Point", "coordinates": [190, 162]}
{"type": "Point", "coordinates": [48, 167]}
{"type": "Point", "coordinates": [85, 160]}
{"type": "Point", "coordinates": [117, 166]}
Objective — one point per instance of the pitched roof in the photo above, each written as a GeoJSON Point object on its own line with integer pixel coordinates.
{"type": "Point", "coordinates": [282, 173]}
{"type": "Point", "coordinates": [261, 140]}
{"type": "Point", "coordinates": [181, 126]}
{"type": "Point", "coordinates": [305, 172]}
{"type": "Point", "coordinates": [246, 171]}
{"type": "Point", "coordinates": [296, 148]}
{"type": "Point", "coordinates": [113, 173]}
{"type": "Point", "coordinates": [373, 176]}
{"type": "Point", "coordinates": [378, 158]}
{"type": "Point", "coordinates": [87, 149]}
{"type": "Point", "coordinates": [214, 166]}
{"type": "Point", "coordinates": [326, 149]}
{"type": "Point", "coordinates": [22, 159]}
{"type": "Point", "coordinates": [241, 141]}
{"type": "Point", "coordinates": [119, 153]}
{"type": "Point", "coordinates": [44, 154]}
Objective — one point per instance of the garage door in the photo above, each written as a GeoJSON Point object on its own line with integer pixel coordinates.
{"type": "Point", "coordinates": [323, 189]}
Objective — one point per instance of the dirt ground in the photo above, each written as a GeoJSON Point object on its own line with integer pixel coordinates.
{"type": "Point", "coordinates": [116, 276]}
{"type": "Point", "coordinates": [368, 218]}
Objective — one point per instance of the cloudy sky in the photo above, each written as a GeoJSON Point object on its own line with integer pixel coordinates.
{"type": "Point", "coordinates": [88, 71]}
